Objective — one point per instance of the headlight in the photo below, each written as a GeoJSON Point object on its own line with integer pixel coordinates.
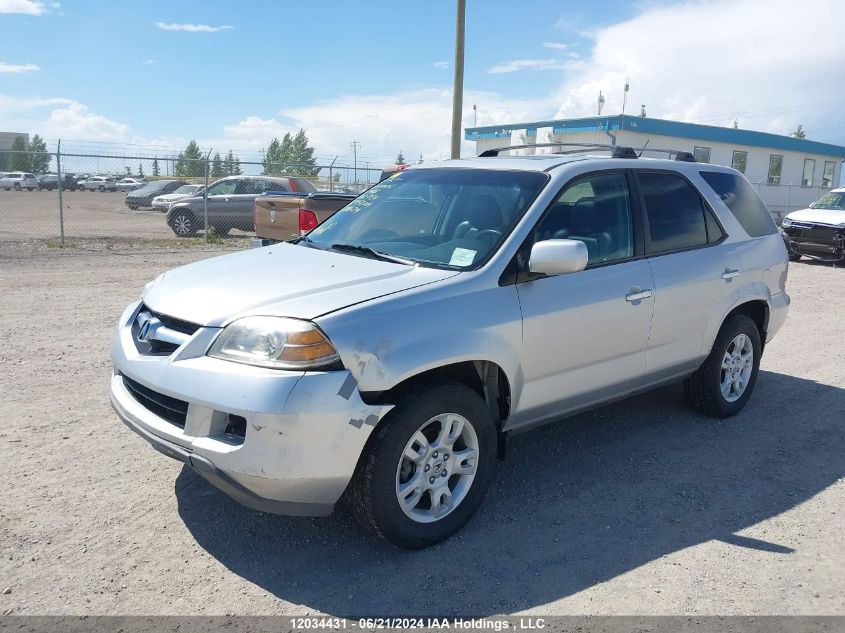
{"type": "Point", "coordinates": [276, 342]}
{"type": "Point", "coordinates": [786, 222]}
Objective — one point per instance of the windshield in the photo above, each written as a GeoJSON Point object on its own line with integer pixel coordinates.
{"type": "Point", "coordinates": [832, 200]}
{"type": "Point", "coordinates": [187, 189]}
{"type": "Point", "coordinates": [446, 217]}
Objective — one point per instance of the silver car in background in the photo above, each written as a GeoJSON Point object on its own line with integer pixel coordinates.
{"type": "Point", "coordinates": [388, 354]}
{"type": "Point", "coordinates": [18, 180]}
{"type": "Point", "coordinates": [163, 202]}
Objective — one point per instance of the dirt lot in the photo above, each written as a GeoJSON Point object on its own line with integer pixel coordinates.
{"type": "Point", "coordinates": [87, 214]}
{"type": "Point", "coordinates": [639, 508]}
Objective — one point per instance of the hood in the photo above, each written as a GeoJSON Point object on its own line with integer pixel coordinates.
{"type": "Point", "coordinates": [280, 280]}
{"type": "Point", "coordinates": [833, 217]}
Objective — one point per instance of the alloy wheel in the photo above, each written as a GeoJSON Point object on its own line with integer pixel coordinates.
{"type": "Point", "coordinates": [437, 468]}
{"type": "Point", "coordinates": [737, 365]}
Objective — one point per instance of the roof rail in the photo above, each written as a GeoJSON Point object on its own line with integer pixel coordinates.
{"type": "Point", "coordinates": [617, 151]}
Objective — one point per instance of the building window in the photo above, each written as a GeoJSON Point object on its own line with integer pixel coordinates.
{"type": "Point", "coordinates": [809, 172]}
{"type": "Point", "coordinates": [775, 167]}
{"type": "Point", "coordinates": [701, 154]}
{"type": "Point", "coordinates": [827, 174]}
{"type": "Point", "coordinates": [739, 161]}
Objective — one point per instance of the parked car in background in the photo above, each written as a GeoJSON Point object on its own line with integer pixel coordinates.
{"type": "Point", "coordinates": [387, 354]}
{"type": "Point", "coordinates": [279, 217]}
{"type": "Point", "coordinates": [163, 202]}
{"type": "Point", "coordinates": [143, 197]}
{"type": "Point", "coordinates": [78, 179]}
{"type": "Point", "coordinates": [50, 182]}
{"type": "Point", "coordinates": [100, 183]}
{"type": "Point", "coordinates": [230, 203]}
{"type": "Point", "coordinates": [818, 231]}
{"type": "Point", "coordinates": [130, 184]}
{"type": "Point", "coordinates": [18, 180]}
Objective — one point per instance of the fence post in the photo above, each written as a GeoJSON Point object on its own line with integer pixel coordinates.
{"type": "Point", "coordinates": [205, 199]}
{"type": "Point", "coordinates": [61, 206]}
{"type": "Point", "coordinates": [788, 192]}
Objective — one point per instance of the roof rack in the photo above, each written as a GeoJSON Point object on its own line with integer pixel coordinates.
{"type": "Point", "coordinates": [616, 151]}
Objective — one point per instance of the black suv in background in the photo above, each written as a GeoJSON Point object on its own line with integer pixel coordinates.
{"type": "Point", "coordinates": [143, 197]}
{"type": "Point", "coordinates": [49, 182]}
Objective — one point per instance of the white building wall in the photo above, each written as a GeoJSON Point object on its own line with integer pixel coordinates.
{"type": "Point", "coordinates": [788, 196]}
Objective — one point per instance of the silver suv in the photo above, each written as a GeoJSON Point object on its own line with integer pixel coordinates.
{"type": "Point", "coordinates": [386, 356]}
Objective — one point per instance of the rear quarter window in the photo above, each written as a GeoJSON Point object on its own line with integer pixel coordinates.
{"type": "Point", "coordinates": [739, 196]}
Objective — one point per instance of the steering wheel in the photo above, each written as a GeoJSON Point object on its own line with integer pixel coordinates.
{"type": "Point", "coordinates": [487, 233]}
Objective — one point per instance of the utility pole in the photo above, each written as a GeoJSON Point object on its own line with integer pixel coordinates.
{"type": "Point", "coordinates": [355, 145]}
{"type": "Point", "coordinates": [625, 95]}
{"type": "Point", "coordinates": [458, 88]}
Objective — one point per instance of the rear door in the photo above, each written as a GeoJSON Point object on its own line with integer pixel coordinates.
{"type": "Point", "coordinates": [585, 334]}
{"type": "Point", "coordinates": [695, 272]}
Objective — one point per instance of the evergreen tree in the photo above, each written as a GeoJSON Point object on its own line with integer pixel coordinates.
{"type": "Point", "coordinates": [39, 160]}
{"type": "Point", "coordinates": [236, 167]}
{"type": "Point", "coordinates": [400, 158]}
{"type": "Point", "coordinates": [189, 162]}
{"type": "Point", "coordinates": [140, 170]}
{"type": "Point", "coordinates": [302, 161]}
{"type": "Point", "coordinates": [156, 171]}
{"type": "Point", "coordinates": [229, 164]}
{"type": "Point", "coordinates": [276, 157]}
{"type": "Point", "coordinates": [217, 166]}
{"type": "Point", "coordinates": [18, 158]}
{"type": "Point", "coordinates": [799, 132]}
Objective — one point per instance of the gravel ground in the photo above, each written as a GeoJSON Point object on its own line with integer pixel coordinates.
{"type": "Point", "coordinates": [641, 507]}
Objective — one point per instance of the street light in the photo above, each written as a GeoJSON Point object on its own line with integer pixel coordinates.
{"type": "Point", "coordinates": [458, 88]}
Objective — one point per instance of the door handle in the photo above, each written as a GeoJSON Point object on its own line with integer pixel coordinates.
{"type": "Point", "coordinates": [730, 274]}
{"type": "Point", "coordinates": [635, 294]}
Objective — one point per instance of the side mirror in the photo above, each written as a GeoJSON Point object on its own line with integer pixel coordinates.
{"type": "Point", "coordinates": [558, 257]}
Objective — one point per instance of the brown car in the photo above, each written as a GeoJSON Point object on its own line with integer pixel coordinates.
{"type": "Point", "coordinates": [279, 217]}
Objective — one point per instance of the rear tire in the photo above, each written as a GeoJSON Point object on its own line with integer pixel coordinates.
{"type": "Point", "coordinates": [183, 223]}
{"type": "Point", "coordinates": [17, 187]}
{"type": "Point", "coordinates": [448, 429]}
{"type": "Point", "coordinates": [722, 386]}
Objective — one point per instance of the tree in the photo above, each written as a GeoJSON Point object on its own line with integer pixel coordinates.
{"type": "Point", "coordinates": [39, 160]}
{"type": "Point", "coordinates": [140, 170]}
{"type": "Point", "coordinates": [236, 167]}
{"type": "Point", "coordinates": [400, 158]}
{"type": "Point", "coordinates": [128, 171]}
{"type": "Point", "coordinates": [302, 161]}
{"type": "Point", "coordinates": [277, 156]}
{"type": "Point", "coordinates": [156, 171]}
{"type": "Point", "coordinates": [217, 166]}
{"type": "Point", "coordinates": [799, 132]}
{"type": "Point", "coordinates": [190, 161]}
{"type": "Point", "coordinates": [19, 158]}
{"type": "Point", "coordinates": [229, 164]}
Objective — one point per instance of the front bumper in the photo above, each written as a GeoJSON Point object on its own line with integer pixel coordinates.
{"type": "Point", "coordinates": [814, 240]}
{"type": "Point", "coordinates": [304, 430]}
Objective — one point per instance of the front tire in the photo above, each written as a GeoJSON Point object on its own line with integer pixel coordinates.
{"type": "Point", "coordinates": [184, 224]}
{"type": "Point", "coordinates": [17, 187]}
{"type": "Point", "coordinates": [399, 490]}
{"type": "Point", "coordinates": [722, 386]}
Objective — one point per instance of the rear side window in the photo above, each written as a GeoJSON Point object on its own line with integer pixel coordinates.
{"type": "Point", "coordinates": [674, 212]}
{"type": "Point", "coordinates": [739, 196]}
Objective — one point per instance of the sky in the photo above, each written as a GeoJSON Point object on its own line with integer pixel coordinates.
{"type": "Point", "coordinates": [147, 77]}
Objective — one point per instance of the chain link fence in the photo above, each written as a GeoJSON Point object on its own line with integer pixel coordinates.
{"type": "Point", "coordinates": [99, 198]}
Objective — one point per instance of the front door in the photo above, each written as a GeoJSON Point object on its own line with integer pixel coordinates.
{"type": "Point", "coordinates": [585, 333]}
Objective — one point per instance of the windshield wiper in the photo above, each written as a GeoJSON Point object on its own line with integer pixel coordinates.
{"type": "Point", "coordinates": [366, 250]}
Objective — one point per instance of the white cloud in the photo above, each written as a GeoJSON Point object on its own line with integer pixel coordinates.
{"type": "Point", "coordinates": [760, 66]}
{"type": "Point", "coordinates": [527, 64]}
{"type": "Point", "coordinates": [442, 65]}
{"type": "Point", "coordinates": [18, 68]}
{"type": "Point", "coordinates": [558, 46]}
{"type": "Point", "coordinates": [149, 61]}
{"type": "Point", "coordinates": [27, 7]}
{"type": "Point", "coordinates": [67, 119]}
{"type": "Point", "coordinates": [192, 28]}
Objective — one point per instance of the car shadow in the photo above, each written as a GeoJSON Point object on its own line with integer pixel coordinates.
{"type": "Point", "coordinates": [575, 503]}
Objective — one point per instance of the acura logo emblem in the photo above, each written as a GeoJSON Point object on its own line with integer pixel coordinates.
{"type": "Point", "coordinates": [147, 326]}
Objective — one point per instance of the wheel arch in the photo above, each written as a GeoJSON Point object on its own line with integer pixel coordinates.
{"type": "Point", "coordinates": [758, 311]}
{"type": "Point", "coordinates": [485, 377]}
